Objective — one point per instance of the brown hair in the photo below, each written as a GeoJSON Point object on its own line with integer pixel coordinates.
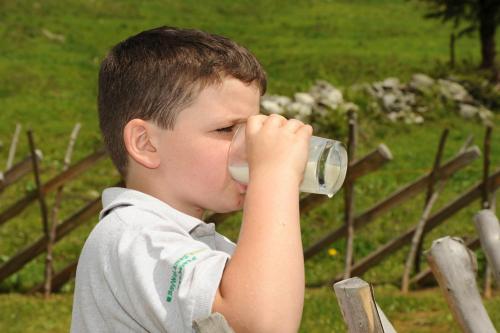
{"type": "Point", "coordinates": [159, 72]}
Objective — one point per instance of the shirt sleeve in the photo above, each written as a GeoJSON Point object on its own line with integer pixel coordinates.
{"type": "Point", "coordinates": [168, 279]}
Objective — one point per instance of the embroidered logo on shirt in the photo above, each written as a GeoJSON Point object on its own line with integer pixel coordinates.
{"type": "Point", "coordinates": [177, 271]}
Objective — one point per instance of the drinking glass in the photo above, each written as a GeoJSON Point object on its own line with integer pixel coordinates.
{"type": "Point", "coordinates": [325, 169]}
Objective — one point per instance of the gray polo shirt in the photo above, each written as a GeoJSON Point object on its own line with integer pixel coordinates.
{"type": "Point", "coordinates": [146, 267]}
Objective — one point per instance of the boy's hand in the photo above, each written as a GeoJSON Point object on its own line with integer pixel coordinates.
{"type": "Point", "coordinates": [277, 147]}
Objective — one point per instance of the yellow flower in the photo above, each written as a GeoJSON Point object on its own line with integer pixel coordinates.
{"type": "Point", "coordinates": [332, 252]}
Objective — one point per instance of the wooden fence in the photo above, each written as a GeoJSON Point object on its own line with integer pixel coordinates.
{"type": "Point", "coordinates": [358, 168]}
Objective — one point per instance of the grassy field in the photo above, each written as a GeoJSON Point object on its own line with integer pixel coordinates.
{"type": "Point", "coordinates": [48, 84]}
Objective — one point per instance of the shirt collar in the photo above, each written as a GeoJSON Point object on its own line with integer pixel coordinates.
{"type": "Point", "coordinates": [114, 197]}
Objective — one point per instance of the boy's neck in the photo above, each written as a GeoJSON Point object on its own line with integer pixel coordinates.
{"type": "Point", "coordinates": [152, 190]}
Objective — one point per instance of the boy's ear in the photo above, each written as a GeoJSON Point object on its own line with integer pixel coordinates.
{"type": "Point", "coordinates": [141, 143]}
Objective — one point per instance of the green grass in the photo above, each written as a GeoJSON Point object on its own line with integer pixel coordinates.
{"type": "Point", "coordinates": [49, 85]}
{"type": "Point", "coordinates": [423, 312]}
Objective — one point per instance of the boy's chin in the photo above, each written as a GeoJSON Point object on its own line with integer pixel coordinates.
{"type": "Point", "coordinates": [230, 206]}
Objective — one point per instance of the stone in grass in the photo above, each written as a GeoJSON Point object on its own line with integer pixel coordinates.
{"type": "Point", "coordinates": [271, 106]}
{"type": "Point", "coordinates": [275, 103]}
{"type": "Point", "coordinates": [304, 98]}
{"type": "Point", "coordinates": [300, 110]}
{"type": "Point", "coordinates": [484, 113]}
{"type": "Point", "coordinates": [326, 94]}
{"type": "Point", "coordinates": [390, 102]}
{"type": "Point", "coordinates": [421, 82]}
{"type": "Point", "coordinates": [468, 111]}
{"type": "Point", "coordinates": [454, 91]}
{"type": "Point", "coordinates": [391, 83]}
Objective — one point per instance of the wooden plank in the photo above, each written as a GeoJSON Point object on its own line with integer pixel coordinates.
{"type": "Point", "coordinates": [446, 212]}
{"type": "Point", "coordinates": [454, 266]}
{"type": "Point", "coordinates": [64, 177]}
{"type": "Point", "coordinates": [396, 198]}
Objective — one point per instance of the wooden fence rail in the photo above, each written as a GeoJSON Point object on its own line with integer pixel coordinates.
{"type": "Point", "coordinates": [436, 219]}
{"type": "Point", "coordinates": [62, 178]}
{"type": "Point", "coordinates": [398, 197]}
{"type": "Point", "coordinates": [369, 163]}
{"type": "Point", "coordinates": [30, 252]}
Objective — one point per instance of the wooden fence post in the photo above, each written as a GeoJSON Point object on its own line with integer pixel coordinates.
{"type": "Point", "coordinates": [43, 205]}
{"type": "Point", "coordinates": [485, 204]}
{"type": "Point", "coordinates": [431, 197]}
{"type": "Point", "coordinates": [215, 323]}
{"type": "Point", "coordinates": [425, 278]}
{"type": "Point", "coordinates": [359, 309]}
{"type": "Point", "coordinates": [54, 220]}
{"type": "Point", "coordinates": [349, 196]}
{"type": "Point", "coordinates": [13, 146]}
{"type": "Point", "coordinates": [454, 267]}
{"type": "Point", "coordinates": [488, 228]}
{"type": "Point", "coordinates": [431, 191]}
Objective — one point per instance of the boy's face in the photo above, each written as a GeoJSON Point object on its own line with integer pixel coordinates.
{"type": "Point", "coordinates": [193, 166]}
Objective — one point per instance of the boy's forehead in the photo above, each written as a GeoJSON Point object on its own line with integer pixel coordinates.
{"type": "Point", "coordinates": [231, 102]}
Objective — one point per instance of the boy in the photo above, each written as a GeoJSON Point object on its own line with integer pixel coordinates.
{"type": "Point", "coordinates": [169, 101]}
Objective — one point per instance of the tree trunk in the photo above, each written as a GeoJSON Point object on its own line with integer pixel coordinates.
{"type": "Point", "coordinates": [487, 29]}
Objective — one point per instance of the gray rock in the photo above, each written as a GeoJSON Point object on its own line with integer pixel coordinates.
{"type": "Point", "coordinates": [391, 83]}
{"type": "Point", "coordinates": [299, 109]}
{"type": "Point", "coordinates": [468, 111]}
{"type": "Point", "coordinates": [271, 106]}
{"type": "Point", "coordinates": [454, 91]}
{"type": "Point", "coordinates": [304, 98]}
{"type": "Point", "coordinates": [421, 82]}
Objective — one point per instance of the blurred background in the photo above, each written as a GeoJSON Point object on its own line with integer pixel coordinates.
{"type": "Point", "coordinates": [408, 69]}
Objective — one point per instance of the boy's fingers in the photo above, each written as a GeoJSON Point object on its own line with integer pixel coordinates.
{"type": "Point", "coordinates": [305, 130]}
{"type": "Point", "coordinates": [254, 123]}
{"type": "Point", "coordinates": [293, 125]}
{"type": "Point", "coordinates": [275, 120]}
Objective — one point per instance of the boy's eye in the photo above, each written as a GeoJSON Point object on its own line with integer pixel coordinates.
{"type": "Point", "coordinates": [226, 129]}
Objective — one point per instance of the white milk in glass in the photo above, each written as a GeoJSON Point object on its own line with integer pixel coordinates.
{"type": "Point", "coordinates": [325, 170]}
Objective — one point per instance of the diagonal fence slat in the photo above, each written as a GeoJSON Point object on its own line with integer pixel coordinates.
{"type": "Point", "coordinates": [18, 171]}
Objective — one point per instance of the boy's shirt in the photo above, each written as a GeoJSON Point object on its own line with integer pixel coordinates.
{"type": "Point", "coordinates": [146, 267]}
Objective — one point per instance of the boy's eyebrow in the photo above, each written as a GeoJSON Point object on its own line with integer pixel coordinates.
{"type": "Point", "coordinates": [234, 120]}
